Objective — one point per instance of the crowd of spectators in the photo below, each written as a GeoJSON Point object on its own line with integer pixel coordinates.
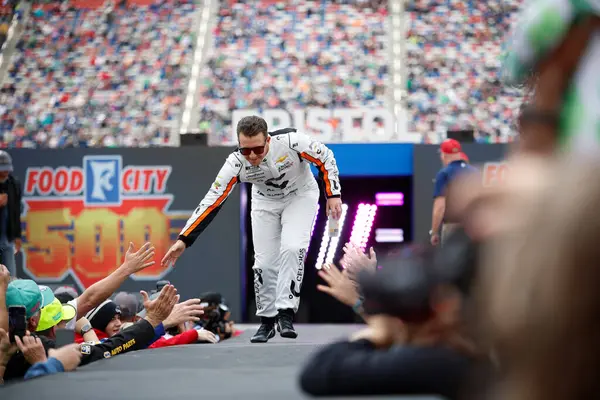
{"type": "Point", "coordinates": [453, 56]}
{"type": "Point", "coordinates": [101, 327]}
{"type": "Point", "coordinates": [110, 76]}
{"type": "Point", "coordinates": [294, 54]}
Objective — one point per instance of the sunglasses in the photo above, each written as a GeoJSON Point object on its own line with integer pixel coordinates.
{"type": "Point", "coordinates": [258, 150]}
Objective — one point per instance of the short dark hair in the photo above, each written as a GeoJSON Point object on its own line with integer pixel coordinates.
{"type": "Point", "coordinates": [252, 126]}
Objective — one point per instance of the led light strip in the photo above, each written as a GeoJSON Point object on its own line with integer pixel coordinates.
{"type": "Point", "coordinates": [326, 239]}
{"type": "Point", "coordinates": [357, 227]}
{"type": "Point", "coordinates": [363, 224]}
{"type": "Point", "coordinates": [368, 226]}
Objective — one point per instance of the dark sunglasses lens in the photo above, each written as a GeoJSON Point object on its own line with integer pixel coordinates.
{"type": "Point", "coordinates": [256, 150]}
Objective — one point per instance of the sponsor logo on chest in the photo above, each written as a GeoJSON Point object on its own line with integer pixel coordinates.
{"type": "Point", "coordinates": [283, 163]}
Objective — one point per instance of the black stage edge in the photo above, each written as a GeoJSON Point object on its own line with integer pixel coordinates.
{"type": "Point", "coordinates": [233, 369]}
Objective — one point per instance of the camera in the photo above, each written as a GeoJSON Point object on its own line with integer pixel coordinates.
{"type": "Point", "coordinates": [216, 314]}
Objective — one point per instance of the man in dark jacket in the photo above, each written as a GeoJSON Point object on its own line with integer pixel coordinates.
{"type": "Point", "coordinates": [10, 214]}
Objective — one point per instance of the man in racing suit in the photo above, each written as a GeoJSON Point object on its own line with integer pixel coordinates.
{"type": "Point", "coordinates": [285, 197]}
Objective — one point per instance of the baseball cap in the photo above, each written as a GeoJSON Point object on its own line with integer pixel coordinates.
{"type": "Point", "coordinates": [450, 146]}
{"type": "Point", "coordinates": [66, 290]}
{"type": "Point", "coordinates": [5, 162]}
{"type": "Point", "coordinates": [47, 295]}
{"type": "Point", "coordinates": [24, 292]}
{"type": "Point", "coordinates": [128, 304]}
{"type": "Point", "coordinates": [53, 313]}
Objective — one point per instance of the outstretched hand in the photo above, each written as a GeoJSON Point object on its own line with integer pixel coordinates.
{"type": "Point", "coordinates": [141, 259]}
{"type": "Point", "coordinates": [339, 285]}
{"type": "Point", "coordinates": [173, 254]}
{"type": "Point", "coordinates": [187, 311]}
{"type": "Point", "coordinates": [354, 260]}
{"type": "Point", "coordinates": [158, 310]}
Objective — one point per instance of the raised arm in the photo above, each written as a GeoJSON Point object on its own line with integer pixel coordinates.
{"type": "Point", "coordinates": [207, 209]}
{"type": "Point", "coordinates": [213, 201]}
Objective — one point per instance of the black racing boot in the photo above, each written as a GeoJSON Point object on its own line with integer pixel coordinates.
{"type": "Point", "coordinates": [284, 324]}
{"type": "Point", "coordinates": [265, 332]}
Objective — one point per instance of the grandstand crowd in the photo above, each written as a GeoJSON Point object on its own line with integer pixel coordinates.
{"type": "Point", "coordinates": [111, 76]}
{"type": "Point", "coordinates": [115, 73]}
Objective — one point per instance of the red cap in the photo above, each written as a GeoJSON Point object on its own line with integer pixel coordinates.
{"type": "Point", "coordinates": [450, 146]}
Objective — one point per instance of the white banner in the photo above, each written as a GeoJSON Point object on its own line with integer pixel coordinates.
{"type": "Point", "coordinates": [342, 125]}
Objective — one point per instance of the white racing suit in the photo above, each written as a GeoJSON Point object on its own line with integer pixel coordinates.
{"type": "Point", "coordinates": [285, 197]}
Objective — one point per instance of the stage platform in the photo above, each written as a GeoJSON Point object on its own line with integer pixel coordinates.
{"type": "Point", "coordinates": [233, 369]}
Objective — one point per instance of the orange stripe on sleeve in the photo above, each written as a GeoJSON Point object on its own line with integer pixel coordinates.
{"type": "Point", "coordinates": [212, 207]}
{"type": "Point", "coordinates": [321, 167]}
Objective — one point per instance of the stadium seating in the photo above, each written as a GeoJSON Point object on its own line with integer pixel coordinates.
{"type": "Point", "coordinates": [90, 73]}
{"type": "Point", "coordinates": [453, 57]}
{"type": "Point", "coordinates": [294, 54]}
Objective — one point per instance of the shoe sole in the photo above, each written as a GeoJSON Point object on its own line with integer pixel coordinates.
{"type": "Point", "coordinates": [271, 336]}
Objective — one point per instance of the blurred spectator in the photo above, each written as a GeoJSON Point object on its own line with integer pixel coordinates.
{"type": "Point", "coordinates": [414, 341]}
{"type": "Point", "coordinates": [129, 306]}
{"type": "Point", "coordinates": [10, 213]}
{"type": "Point", "coordinates": [293, 54]}
{"type": "Point", "coordinates": [541, 295]}
{"type": "Point", "coordinates": [113, 76]}
{"type": "Point", "coordinates": [23, 292]}
{"type": "Point", "coordinates": [65, 293]}
{"type": "Point", "coordinates": [453, 72]}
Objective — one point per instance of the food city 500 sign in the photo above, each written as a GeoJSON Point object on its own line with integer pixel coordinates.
{"type": "Point", "coordinates": [495, 173]}
{"type": "Point", "coordinates": [80, 220]}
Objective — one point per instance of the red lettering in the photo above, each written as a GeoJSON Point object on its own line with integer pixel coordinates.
{"type": "Point", "coordinates": [61, 182]}
{"type": "Point", "coordinates": [147, 179]}
{"type": "Point", "coordinates": [494, 174]}
{"type": "Point", "coordinates": [131, 180]}
{"type": "Point", "coordinates": [125, 182]}
{"type": "Point", "coordinates": [45, 183]}
{"type": "Point", "coordinates": [76, 184]}
{"type": "Point", "coordinates": [489, 174]}
{"type": "Point", "coordinates": [31, 180]}
{"type": "Point", "coordinates": [160, 183]}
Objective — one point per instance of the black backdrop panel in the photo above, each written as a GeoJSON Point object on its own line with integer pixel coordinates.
{"type": "Point", "coordinates": [389, 220]}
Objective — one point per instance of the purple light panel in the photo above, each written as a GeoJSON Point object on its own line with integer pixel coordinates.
{"type": "Point", "coordinates": [387, 235]}
{"type": "Point", "coordinates": [389, 199]}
